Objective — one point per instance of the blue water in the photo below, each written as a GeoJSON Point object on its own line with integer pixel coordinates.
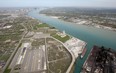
{"type": "Point", "coordinates": [91, 35]}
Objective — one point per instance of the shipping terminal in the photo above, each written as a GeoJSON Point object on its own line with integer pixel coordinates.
{"type": "Point", "coordinates": [100, 60]}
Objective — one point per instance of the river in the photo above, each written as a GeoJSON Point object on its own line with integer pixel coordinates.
{"type": "Point", "coordinates": [91, 35]}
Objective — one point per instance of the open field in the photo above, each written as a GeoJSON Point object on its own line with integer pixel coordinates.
{"type": "Point", "coordinates": [42, 25]}
{"type": "Point", "coordinates": [3, 16]}
{"type": "Point", "coordinates": [11, 32]}
{"type": "Point", "coordinates": [59, 58]}
{"type": "Point", "coordinates": [59, 66]}
{"type": "Point", "coordinates": [9, 38]}
{"type": "Point", "coordinates": [62, 39]}
{"type": "Point", "coordinates": [38, 42]}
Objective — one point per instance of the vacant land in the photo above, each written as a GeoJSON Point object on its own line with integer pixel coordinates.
{"type": "Point", "coordinates": [38, 42]}
{"type": "Point", "coordinates": [62, 39]}
{"type": "Point", "coordinates": [41, 25]}
{"type": "Point", "coordinates": [59, 58]}
{"type": "Point", "coordinates": [9, 38]}
{"type": "Point", "coordinates": [11, 32]}
{"type": "Point", "coordinates": [3, 16]}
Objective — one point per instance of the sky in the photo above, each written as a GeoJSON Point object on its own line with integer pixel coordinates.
{"type": "Point", "coordinates": [58, 3]}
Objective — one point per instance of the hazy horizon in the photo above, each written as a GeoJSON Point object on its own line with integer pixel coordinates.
{"type": "Point", "coordinates": [59, 3]}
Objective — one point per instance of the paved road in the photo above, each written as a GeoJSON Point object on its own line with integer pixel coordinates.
{"type": "Point", "coordinates": [16, 48]}
{"type": "Point", "coordinates": [46, 54]}
{"type": "Point", "coordinates": [15, 58]}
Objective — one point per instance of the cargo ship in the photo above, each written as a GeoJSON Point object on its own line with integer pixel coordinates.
{"type": "Point", "coordinates": [83, 52]}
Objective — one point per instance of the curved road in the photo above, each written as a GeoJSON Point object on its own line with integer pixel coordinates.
{"type": "Point", "coordinates": [73, 58]}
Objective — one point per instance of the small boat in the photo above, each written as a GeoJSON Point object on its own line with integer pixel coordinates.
{"type": "Point", "coordinates": [83, 53]}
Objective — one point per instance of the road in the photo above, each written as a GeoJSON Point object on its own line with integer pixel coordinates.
{"type": "Point", "coordinates": [46, 54]}
{"type": "Point", "coordinates": [15, 50]}
{"type": "Point", "coordinates": [73, 57]}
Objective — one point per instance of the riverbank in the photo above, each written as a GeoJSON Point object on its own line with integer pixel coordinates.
{"type": "Point", "coordinates": [92, 36]}
{"type": "Point", "coordinates": [75, 47]}
{"type": "Point", "coordinates": [82, 22]}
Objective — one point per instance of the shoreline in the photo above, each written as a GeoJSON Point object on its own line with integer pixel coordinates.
{"type": "Point", "coordinates": [80, 61]}
{"type": "Point", "coordinates": [67, 48]}
{"type": "Point", "coordinates": [78, 23]}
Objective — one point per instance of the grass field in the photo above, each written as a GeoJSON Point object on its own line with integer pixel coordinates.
{"type": "Point", "coordinates": [38, 42]}
{"type": "Point", "coordinates": [64, 39]}
{"type": "Point", "coordinates": [40, 26]}
{"type": "Point", "coordinates": [7, 71]}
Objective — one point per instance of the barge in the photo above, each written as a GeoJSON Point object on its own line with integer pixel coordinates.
{"type": "Point", "coordinates": [83, 52]}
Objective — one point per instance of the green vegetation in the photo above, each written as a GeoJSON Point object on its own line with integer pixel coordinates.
{"type": "Point", "coordinates": [92, 16]}
{"type": "Point", "coordinates": [43, 25]}
{"type": "Point", "coordinates": [64, 39]}
{"type": "Point", "coordinates": [9, 40]}
{"type": "Point", "coordinates": [56, 52]}
{"type": "Point", "coordinates": [72, 69]}
{"type": "Point", "coordinates": [3, 16]}
{"type": "Point", "coordinates": [38, 42]}
{"type": "Point", "coordinates": [10, 37]}
{"type": "Point", "coordinates": [60, 66]}
{"type": "Point", "coordinates": [40, 26]}
{"type": "Point", "coordinates": [52, 28]}
{"type": "Point", "coordinates": [29, 23]}
{"type": "Point", "coordinates": [58, 56]}
{"type": "Point", "coordinates": [5, 57]}
{"type": "Point", "coordinates": [7, 70]}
